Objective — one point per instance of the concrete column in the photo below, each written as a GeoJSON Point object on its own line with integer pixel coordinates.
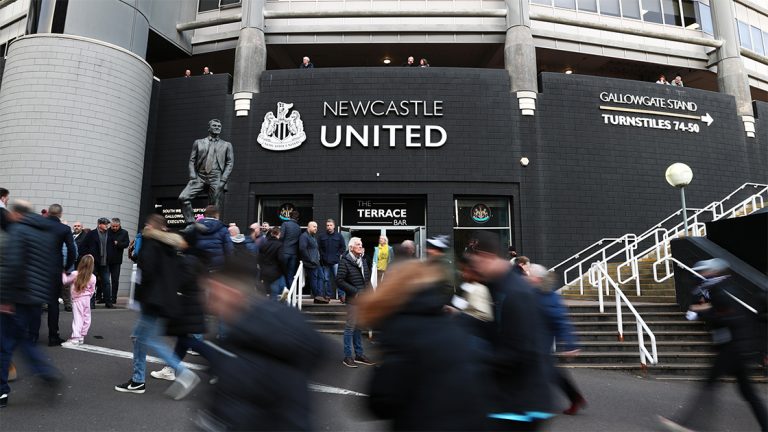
{"type": "Point", "coordinates": [250, 56]}
{"type": "Point", "coordinates": [73, 127]}
{"type": "Point", "coordinates": [520, 56]}
{"type": "Point", "coordinates": [732, 77]}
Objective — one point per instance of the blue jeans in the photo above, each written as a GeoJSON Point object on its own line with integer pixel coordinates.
{"type": "Point", "coordinates": [315, 281]}
{"type": "Point", "coordinates": [146, 335]}
{"type": "Point", "coordinates": [352, 333]}
{"type": "Point", "coordinates": [276, 288]}
{"type": "Point", "coordinates": [291, 264]}
{"type": "Point", "coordinates": [102, 274]}
{"type": "Point", "coordinates": [15, 331]}
{"type": "Point", "coordinates": [329, 276]}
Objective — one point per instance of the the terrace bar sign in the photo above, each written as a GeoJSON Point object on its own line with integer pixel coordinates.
{"type": "Point", "coordinates": [383, 211]}
{"type": "Point", "coordinates": [383, 135]}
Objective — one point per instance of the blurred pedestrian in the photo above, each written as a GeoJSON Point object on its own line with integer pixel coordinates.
{"type": "Point", "coordinates": [521, 364]}
{"type": "Point", "coordinates": [264, 362]}
{"type": "Point", "coordinates": [352, 278]}
{"type": "Point", "coordinates": [405, 250]}
{"type": "Point", "coordinates": [4, 219]}
{"type": "Point", "coordinates": [82, 286]}
{"type": "Point", "coordinates": [28, 270]}
{"type": "Point", "coordinates": [561, 331]}
{"type": "Point", "coordinates": [426, 378]}
{"type": "Point", "coordinates": [157, 296]}
{"type": "Point", "coordinates": [736, 338]}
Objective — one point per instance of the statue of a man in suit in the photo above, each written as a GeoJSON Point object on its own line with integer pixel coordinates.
{"type": "Point", "coordinates": [210, 165]}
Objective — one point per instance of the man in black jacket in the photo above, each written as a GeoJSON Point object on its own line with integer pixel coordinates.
{"type": "Point", "coordinates": [27, 273]}
{"type": "Point", "coordinates": [352, 278]}
{"type": "Point", "coordinates": [97, 243]}
{"type": "Point", "coordinates": [67, 248]}
{"type": "Point", "coordinates": [118, 241]}
{"type": "Point", "coordinates": [310, 256]}
{"type": "Point", "coordinates": [4, 219]}
{"type": "Point", "coordinates": [289, 235]}
{"type": "Point", "coordinates": [332, 247]}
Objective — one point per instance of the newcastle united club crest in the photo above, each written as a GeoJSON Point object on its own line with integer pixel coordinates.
{"type": "Point", "coordinates": [282, 132]}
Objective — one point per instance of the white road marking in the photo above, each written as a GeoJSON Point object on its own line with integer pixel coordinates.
{"type": "Point", "coordinates": [128, 355]}
{"type": "Point", "coordinates": [320, 388]}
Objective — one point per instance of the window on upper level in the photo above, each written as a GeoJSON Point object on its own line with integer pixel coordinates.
{"type": "Point", "coordinates": [652, 11]}
{"type": "Point", "coordinates": [567, 4]}
{"type": "Point", "coordinates": [209, 5]}
{"type": "Point", "coordinates": [744, 36]}
{"type": "Point", "coordinates": [757, 40]}
{"type": "Point", "coordinates": [588, 5]}
{"type": "Point", "coordinates": [630, 9]}
{"type": "Point", "coordinates": [705, 19]}
{"type": "Point", "coordinates": [610, 8]}
{"type": "Point", "coordinates": [672, 14]}
{"type": "Point", "coordinates": [691, 14]}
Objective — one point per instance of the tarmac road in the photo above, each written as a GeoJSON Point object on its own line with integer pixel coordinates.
{"type": "Point", "coordinates": [88, 402]}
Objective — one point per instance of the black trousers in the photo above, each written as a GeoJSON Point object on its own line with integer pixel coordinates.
{"type": "Point", "coordinates": [53, 317]}
{"type": "Point", "coordinates": [727, 362]}
{"type": "Point", "coordinates": [114, 274]}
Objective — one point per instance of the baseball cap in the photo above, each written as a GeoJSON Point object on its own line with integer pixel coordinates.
{"type": "Point", "coordinates": [439, 242]}
{"type": "Point", "coordinates": [714, 265]}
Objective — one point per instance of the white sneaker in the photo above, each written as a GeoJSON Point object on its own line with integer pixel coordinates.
{"type": "Point", "coordinates": [166, 373]}
{"type": "Point", "coordinates": [193, 353]}
{"type": "Point", "coordinates": [284, 294]}
{"type": "Point", "coordinates": [71, 343]}
{"type": "Point", "coordinates": [184, 384]}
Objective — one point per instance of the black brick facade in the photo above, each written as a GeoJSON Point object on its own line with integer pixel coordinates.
{"type": "Point", "coordinates": [586, 180]}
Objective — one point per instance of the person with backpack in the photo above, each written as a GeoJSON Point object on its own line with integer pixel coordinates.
{"type": "Point", "coordinates": [159, 263]}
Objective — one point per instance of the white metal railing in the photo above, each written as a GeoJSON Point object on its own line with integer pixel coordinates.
{"type": "Point", "coordinates": [655, 241]}
{"type": "Point", "coordinates": [600, 270]}
{"type": "Point", "coordinates": [296, 291]}
{"type": "Point", "coordinates": [666, 261]}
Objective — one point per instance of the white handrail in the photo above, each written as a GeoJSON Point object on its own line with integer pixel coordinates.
{"type": "Point", "coordinates": [661, 237]}
{"type": "Point", "coordinates": [645, 356]}
{"type": "Point", "coordinates": [296, 290]}
{"type": "Point", "coordinates": [669, 273]}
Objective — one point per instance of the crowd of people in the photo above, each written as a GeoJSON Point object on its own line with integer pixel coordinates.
{"type": "Point", "coordinates": [465, 345]}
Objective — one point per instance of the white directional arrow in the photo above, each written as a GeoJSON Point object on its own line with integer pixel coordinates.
{"type": "Point", "coordinates": [707, 118]}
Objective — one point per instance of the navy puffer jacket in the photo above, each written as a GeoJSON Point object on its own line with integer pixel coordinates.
{"type": "Point", "coordinates": [212, 238]}
{"type": "Point", "coordinates": [31, 262]}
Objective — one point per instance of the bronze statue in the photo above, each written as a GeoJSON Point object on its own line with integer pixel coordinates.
{"type": "Point", "coordinates": [210, 165]}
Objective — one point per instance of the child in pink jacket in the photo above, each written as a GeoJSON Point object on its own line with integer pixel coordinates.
{"type": "Point", "coordinates": [83, 284]}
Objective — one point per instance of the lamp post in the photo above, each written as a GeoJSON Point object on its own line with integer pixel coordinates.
{"type": "Point", "coordinates": [680, 175]}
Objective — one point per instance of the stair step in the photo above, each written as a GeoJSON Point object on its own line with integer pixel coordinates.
{"type": "Point", "coordinates": [626, 315]}
{"type": "Point", "coordinates": [631, 336]}
{"type": "Point", "coordinates": [667, 358]}
{"type": "Point", "coordinates": [662, 346]}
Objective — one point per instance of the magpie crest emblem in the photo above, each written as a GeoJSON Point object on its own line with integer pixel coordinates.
{"type": "Point", "coordinates": [282, 131]}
